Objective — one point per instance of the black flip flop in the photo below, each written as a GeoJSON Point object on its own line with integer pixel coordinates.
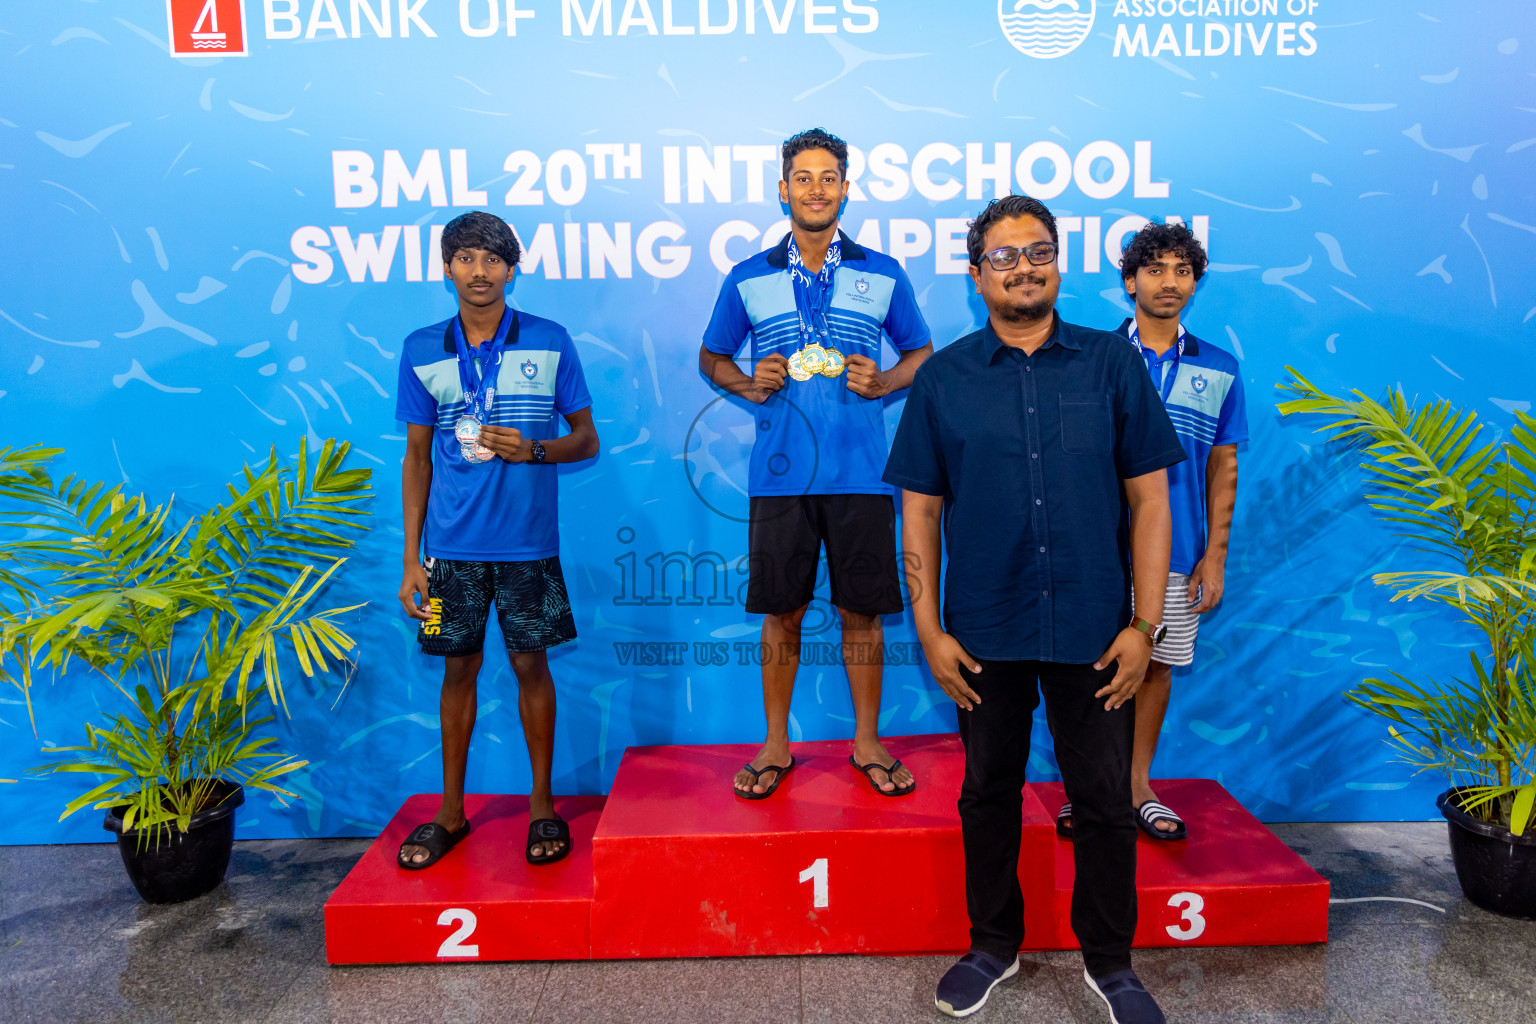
{"type": "Point", "coordinates": [1152, 812]}
{"type": "Point", "coordinates": [757, 773]}
{"type": "Point", "coordinates": [548, 830]}
{"type": "Point", "coordinates": [1062, 817]}
{"type": "Point", "coordinates": [437, 841]}
{"type": "Point", "coordinates": [890, 773]}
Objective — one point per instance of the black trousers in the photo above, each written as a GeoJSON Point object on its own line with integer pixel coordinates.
{"type": "Point", "coordinates": [1093, 749]}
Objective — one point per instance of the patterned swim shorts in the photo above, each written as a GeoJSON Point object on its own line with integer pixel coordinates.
{"type": "Point", "coordinates": [532, 606]}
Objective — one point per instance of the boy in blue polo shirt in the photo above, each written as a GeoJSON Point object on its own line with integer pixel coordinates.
{"type": "Point", "coordinates": [1202, 389]}
{"type": "Point", "coordinates": [479, 496]}
{"type": "Point", "coordinates": [815, 307]}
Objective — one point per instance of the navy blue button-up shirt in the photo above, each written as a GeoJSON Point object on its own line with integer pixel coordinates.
{"type": "Point", "coordinates": [1028, 452]}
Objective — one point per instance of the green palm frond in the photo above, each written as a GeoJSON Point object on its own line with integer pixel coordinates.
{"type": "Point", "coordinates": [191, 617]}
{"type": "Point", "coordinates": [1473, 504]}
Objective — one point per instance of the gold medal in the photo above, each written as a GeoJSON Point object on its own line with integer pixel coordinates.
{"type": "Point", "coordinates": [797, 369]}
{"type": "Point", "coordinates": [813, 357]}
{"type": "Point", "coordinates": [834, 363]}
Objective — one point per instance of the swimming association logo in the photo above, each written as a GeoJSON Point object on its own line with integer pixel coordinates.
{"type": "Point", "coordinates": [530, 369]}
{"type": "Point", "coordinates": [1046, 28]}
{"type": "Point", "coordinates": [206, 28]}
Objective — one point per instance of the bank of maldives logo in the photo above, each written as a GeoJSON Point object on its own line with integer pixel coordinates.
{"type": "Point", "coordinates": [206, 28]}
{"type": "Point", "coordinates": [1045, 28]}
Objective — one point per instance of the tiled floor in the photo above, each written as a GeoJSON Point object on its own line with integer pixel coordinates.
{"type": "Point", "coordinates": [76, 945]}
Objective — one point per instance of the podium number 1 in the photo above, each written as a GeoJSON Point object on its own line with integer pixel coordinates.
{"type": "Point", "coordinates": [816, 874]}
{"type": "Point", "coordinates": [1193, 925]}
{"type": "Point", "coordinates": [453, 945]}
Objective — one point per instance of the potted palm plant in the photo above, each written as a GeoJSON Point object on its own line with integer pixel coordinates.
{"type": "Point", "coordinates": [1469, 504]}
{"type": "Point", "coordinates": [191, 618]}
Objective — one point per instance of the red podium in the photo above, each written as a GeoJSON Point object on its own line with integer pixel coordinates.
{"type": "Point", "coordinates": [1231, 883]}
{"type": "Point", "coordinates": [687, 868]}
{"type": "Point", "coordinates": [483, 901]}
{"type": "Point", "coordinates": [674, 864]}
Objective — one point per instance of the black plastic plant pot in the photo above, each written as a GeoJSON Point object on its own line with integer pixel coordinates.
{"type": "Point", "coordinates": [1496, 869]}
{"type": "Point", "coordinates": [172, 866]}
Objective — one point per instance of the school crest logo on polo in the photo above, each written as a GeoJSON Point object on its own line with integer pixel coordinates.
{"type": "Point", "coordinates": [1198, 383]}
{"type": "Point", "coordinates": [531, 369]}
{"type": "Point", "coordinates": [862, 285]}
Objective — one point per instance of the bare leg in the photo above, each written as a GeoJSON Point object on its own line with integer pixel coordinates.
{"type": "Point", "coordinates": [457, 711]}
{"type": "Point", "coordinates": [1151, 706]}
{"type": "Point", "coordinates": [863, 658]}
{"type": "Point", "coordinates": [536, 707]}
{"type": "Point", "coordinates": [781, 637]}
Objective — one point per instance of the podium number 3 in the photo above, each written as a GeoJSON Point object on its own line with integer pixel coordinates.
{"type": "Point", "coordinates": [1193, 925]}
{"type": "Point", "coordinates": [816, 874]}
{"type": "Point", "coordinates": [453, 945]}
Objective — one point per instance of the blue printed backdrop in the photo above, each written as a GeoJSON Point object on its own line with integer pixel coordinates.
{"type": "Point", "coordinates": [210, 256]}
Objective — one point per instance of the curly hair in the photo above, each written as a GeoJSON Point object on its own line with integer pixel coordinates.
{"type": "Point", "coordinates": [480, 230]}
{"type": "Point", "coordinates": [1005, 208]}
{"type": "Point", "coordinates": [815, 138]}
{"type": "Point", "coordinates": [1154, 240]}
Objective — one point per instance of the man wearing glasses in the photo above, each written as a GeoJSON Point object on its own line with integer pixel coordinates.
{"type": "Point", "coordinates": [1040, 449]}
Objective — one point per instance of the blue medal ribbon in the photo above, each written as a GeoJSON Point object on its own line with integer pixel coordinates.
{"type": "Point", "coordinates": [813, 292]}
{"type": "Point", "coordinates": [1171, 371]}
{"type": "Point", "coordinates": [479, 383]}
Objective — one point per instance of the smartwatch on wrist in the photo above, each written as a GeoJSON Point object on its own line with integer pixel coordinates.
{"type": "Point", "coordinates": [1153, 633]}
{"type": "Point", "coordinates": [538, 452]}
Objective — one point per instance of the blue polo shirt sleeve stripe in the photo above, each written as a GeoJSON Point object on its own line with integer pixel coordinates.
{"type": "Point", "coordinates": [728, 324]}
{"type": "Point", "coordinates": [571, 394]}
{"type": "Point", "coordinates": [1232, 427]}
{"type": "Point", "coordinates": [904, 320]}
{"type": "Point", "coordinates": [413, 402]}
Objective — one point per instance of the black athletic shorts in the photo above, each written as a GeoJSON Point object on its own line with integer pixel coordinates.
{"type": "Point", "coordinates": [784, 542]}
{"type": "Point", "coordinates": [531, 606]}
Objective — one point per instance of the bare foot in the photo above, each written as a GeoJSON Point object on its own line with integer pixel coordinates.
{"type": "Point", "coordinates": [450, 820]}
{"type": "Point", "coordinates": [874, 752]}
{"type": "Point", "coordinates": [771, 754]}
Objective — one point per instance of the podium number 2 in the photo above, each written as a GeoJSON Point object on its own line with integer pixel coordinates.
{"type": "Point", "coordinates": [816, 874]}
{"type": "Point", "coordinates": [1193, 925]}
{"type": "Point", "coordinates": [453, 945]}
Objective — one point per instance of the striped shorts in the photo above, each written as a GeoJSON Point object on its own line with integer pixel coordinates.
{"type": "Point", "coordinates": [1178, 647]}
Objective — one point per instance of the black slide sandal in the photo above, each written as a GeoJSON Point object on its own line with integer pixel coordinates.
{"type": "Point", "coordinates": [1062, 817]}
{"type": "Point", "coordinates": [435, 839]}
{"type": "Point", "coordinates": [757, 773]}
{"type": "Point", "coordinates": [1152, 812]}
{"type": "Point", "coordinates": [890, 773]}
{"type": "Point", "coordinates": [546, 831]}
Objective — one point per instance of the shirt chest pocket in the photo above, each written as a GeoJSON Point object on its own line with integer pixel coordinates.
{"type": "Point", "coordinates": [1086, 425]}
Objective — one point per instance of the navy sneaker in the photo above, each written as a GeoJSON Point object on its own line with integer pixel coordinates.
{"type": "Point", "coordinates": [964, 988]}
{"type": "Point", "coordinates": [1128, 1001]}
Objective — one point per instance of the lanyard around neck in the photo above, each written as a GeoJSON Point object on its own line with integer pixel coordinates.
{"type": "Point", "coordinates": [479, 381]}
{"type": "Point", "coordinates": [1171, 370]}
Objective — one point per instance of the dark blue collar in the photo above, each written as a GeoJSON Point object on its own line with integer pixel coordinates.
{"type": "Point", "coordinates": [448, 345]}
{"type": "Point", "coordinates": [1061, 334]}
{"type": "Point", "coordinates": [1191, 343]}
{"type": "Point", "coordinates": [778, 257]}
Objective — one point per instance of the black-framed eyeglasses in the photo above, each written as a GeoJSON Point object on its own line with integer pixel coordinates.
{"type": "Point", "coordinates": [1007, 257]}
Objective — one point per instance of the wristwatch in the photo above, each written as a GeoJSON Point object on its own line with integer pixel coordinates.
{"type": "Point", "coordinates": [538, 452]}
{"type": "Point", "coordinates": [1153, 633]}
